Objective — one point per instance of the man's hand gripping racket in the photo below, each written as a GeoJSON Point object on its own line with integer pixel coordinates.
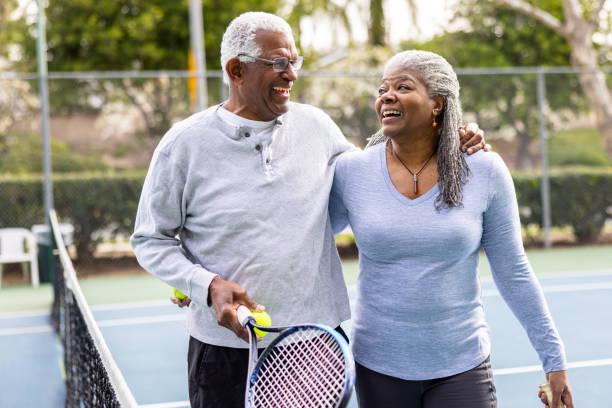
{"type": "Point", "coordinates": [306, 366]}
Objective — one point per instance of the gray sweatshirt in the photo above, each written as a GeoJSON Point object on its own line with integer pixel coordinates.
{"type": "Point", "coordinates": [250, 207]}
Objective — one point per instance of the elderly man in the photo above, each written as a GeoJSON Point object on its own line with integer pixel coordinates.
{"type": "Point", "coordinates": [236, 197]}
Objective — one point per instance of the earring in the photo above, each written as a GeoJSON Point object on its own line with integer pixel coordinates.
{"type": "Point", "coordinates": [434, 124]}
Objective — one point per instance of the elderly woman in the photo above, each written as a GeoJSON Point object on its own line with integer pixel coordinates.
{"type": "Point", "coordinates": [420, 211]}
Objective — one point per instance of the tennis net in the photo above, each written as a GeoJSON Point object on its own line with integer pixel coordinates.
{"type": "Point", "coordinates": [92, 376]}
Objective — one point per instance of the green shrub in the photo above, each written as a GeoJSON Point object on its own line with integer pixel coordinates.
{"type": "Point", "coordinates": [93, 202]}
{"type": "Point", "coordinates": [105, 203]}
{"type": "Point", "coordinates": [580, 197]}
{"type": "Point", "coordinates": [581, 147]}
{"type": "Point", "coordinates": [21, 201]}
{"type": "Point", "coordinates": [23, 155]}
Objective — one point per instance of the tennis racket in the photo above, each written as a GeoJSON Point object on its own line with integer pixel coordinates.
{"type": "Point", "coordinates": [305, 366]}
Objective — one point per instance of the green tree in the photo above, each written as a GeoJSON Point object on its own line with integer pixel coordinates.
{"type": "Point", "coordinates": [377, 28]}
{"type": "Point", "coordinates": [100, 35]}
{"type": "Point", "coordinates": [15, 99]}
{"type": "Point", "coordinates": [312, 8]}
{"type": "Point", "coordinates": [5, 8]}
{"type": "Point", "coordinates": [499, 37]}
{"type": "Point", "coordinates": [578, 23]}
{"type": "Point", "coordinates": [376, 25]}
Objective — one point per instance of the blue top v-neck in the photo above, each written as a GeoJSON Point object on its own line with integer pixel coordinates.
{"type": "Point", "coordinates": [418, 312]}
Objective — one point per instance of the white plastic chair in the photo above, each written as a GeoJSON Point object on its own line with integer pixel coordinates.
{"type": "Point", "coordinates": [18, 245]}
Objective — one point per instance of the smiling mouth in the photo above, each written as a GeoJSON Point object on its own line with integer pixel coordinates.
{"type": "Point", "coordinates": [391, 113]}
{"type": "Point", "coordinates": [282, 91]}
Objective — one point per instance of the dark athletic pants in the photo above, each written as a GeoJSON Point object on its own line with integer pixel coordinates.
{"type": "Point", "coordinates": [217, 375]}
{"type": "Point", "coordinates": [471, 389]}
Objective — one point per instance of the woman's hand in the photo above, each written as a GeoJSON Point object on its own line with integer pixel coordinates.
{"type": "Point", "coordinates": [559, 385]}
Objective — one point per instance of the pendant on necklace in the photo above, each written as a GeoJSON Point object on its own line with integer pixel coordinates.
{"type": "Point", "coordinates": [416, 184]}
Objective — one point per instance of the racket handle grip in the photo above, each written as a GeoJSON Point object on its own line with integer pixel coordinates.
{"type": "Point", "coordinates": [244, 315]}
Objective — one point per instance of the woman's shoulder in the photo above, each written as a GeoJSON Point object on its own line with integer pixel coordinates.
{"type": "Point", "coordinates": [358, 157]}
{"type": "Point", "coordinates": [484, 161]}
{"type": "Point", "coordinates": [489, 169]}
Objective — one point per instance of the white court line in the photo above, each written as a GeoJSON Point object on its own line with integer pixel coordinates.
{"type": "Point", "coordinates": [561, 288]}
{"type": "Point", "coordinates": [537, 368]}
{"type": "Point", "coordinates": [99, 308]}
{"type": "Point", "coordinates": [26, 330]}
{"type": "Point", "coordinates": [569, 274]}
{"type": "Point", "coordinates": [576, 274]}
{"type": "Point", "coordinates": [175, 404]}
{"type": "Point", "coordinates": [128, 321]}
{"type": "Point", "coordinates": [101, 323]}
{"type": "Point", "coordinates": [498, 372]}
{"type": "Point", "coordinates": [131, 305]}
{"type": "Point", "coordinates": [30, 313]}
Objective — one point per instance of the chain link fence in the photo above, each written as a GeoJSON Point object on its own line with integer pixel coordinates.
{"type": "Point", "coordinates": [104, 127]}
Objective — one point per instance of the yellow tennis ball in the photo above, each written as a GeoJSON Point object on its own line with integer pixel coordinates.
{"type": "Point", "coordinates": [263, 319]}
{"type": "Point", "coordinates": [177, 294]}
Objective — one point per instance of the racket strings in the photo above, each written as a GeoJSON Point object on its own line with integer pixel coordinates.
{"type": "Point", "coordinates": [306, 369]}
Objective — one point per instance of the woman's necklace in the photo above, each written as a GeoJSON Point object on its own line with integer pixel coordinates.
{"type": "Point", "coordinates": [415, 176]}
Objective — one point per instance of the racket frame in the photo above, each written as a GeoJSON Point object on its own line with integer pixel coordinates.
{"type": "Point", "coordinates": [248, 321]}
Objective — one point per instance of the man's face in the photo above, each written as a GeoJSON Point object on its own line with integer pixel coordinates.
{"type": "Point", "coordinates": [264, 92]}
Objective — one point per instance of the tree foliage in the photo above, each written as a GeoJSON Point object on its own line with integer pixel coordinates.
{"type": "Point", "coordinates": [376, 25]}
{"type": "Point", "coordinates": [6, 7]}
{"type": "Point", "coordinates": [500, 37]}
{"type": "Point", "coordinates": [103, 35]}
{"type": "Point", "coordinates": [314, 8]}
{"type": "Point", "coordinates": [585, 25]}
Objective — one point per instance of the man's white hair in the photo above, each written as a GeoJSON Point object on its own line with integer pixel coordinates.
{"type": "Point", "coordinates": [239, 37]}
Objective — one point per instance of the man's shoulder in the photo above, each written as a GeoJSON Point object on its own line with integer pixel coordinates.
{"type": "Point", "coordinates": [196, 125]}
{"type": "Point", "coordinates": [196, 122]}
{"type": "Point", "coordinates": [307, 111]}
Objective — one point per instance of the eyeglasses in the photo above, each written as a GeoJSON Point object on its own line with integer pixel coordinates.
{"type": "Point", "coordinates": [279, 64]}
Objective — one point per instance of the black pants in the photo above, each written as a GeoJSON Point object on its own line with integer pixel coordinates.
{"type": "Point", "coordinates": [217, 375]}
{"type": "Point", "coordinates": [471, 389]}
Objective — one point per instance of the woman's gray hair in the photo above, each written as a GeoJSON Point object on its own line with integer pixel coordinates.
{"type": "Point", "coordinates": [240, 36]}
{"type": "Point", "coordinates": [440, 79]}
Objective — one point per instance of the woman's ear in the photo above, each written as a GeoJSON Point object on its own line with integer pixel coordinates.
{"type": "Point", "coordinates": [438, 104]}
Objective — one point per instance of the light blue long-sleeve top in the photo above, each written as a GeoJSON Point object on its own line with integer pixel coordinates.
{"type": "Point", "coordinates": [418, 312]}
{"type": "Point", "coordinates": [250, 206]}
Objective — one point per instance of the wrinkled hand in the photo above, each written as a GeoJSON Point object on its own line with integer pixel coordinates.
{"type": "Point", "coordinates": [226, 296]}
{"type": "Point", "coordinates": [471, 138]}
{"type": "Point", "coordinates": [180, 302]}
{"type": "Point", "coordinates": [559, 384]}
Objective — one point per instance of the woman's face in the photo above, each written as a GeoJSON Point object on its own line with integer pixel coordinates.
{"type": "Point", "coordinates": [403, 104]}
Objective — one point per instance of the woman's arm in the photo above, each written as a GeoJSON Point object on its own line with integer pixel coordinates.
{"type": "Point", "coordinates": [514, 277]}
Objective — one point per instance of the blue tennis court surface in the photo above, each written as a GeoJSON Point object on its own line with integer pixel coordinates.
{"type": "Point", "coordinates": [149, 343]}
